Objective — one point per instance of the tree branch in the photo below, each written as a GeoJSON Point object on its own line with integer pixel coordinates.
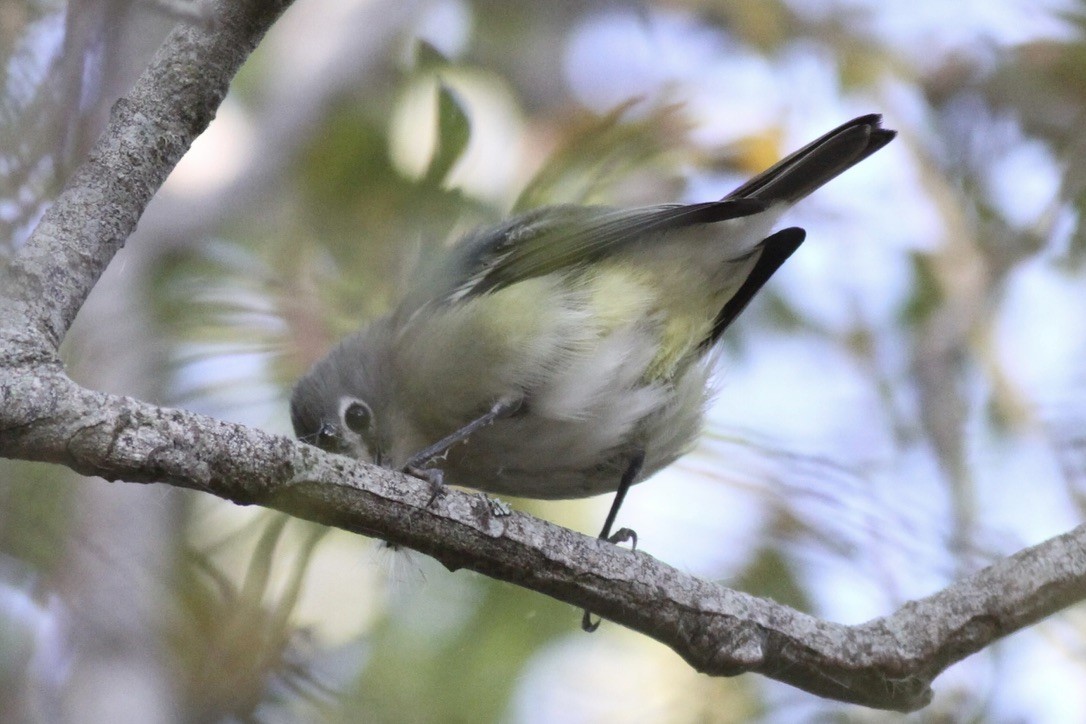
{"type": "Point", "coordinates": [149, 130]}
{"type": "Point", "coordinates": [44, 416]}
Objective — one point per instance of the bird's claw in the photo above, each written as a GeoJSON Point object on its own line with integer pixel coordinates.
{"type": "Point", "coordinates": [498, 508]}
{"type": "Point", "coordinates": [433, 476]}
{"type": "Point", "coordinates": [622, 535]}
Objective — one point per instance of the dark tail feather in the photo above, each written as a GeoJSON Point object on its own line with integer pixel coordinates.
{"type": "Point", "coordinates": [775, 251]}
{"type": "Point", "coordinates": [816, 163]}
{"type": "Point", "coordinates": [789, 181]}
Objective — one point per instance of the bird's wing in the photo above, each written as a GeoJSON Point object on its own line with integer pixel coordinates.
{"type": "Point", "coordinates": [563, 237]}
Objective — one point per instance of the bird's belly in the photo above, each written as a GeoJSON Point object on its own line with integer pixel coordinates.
{"type": "Point", "coordinates": [603, 367]}
{"type": "Point", "coordinates": [577, 436]}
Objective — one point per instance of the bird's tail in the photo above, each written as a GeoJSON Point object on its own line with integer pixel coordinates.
{"type": "Point", "coordinates": [799, 174]}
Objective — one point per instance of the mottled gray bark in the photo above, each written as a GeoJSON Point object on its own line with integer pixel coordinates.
{"type": "Point", "coordinates": [45, 416]}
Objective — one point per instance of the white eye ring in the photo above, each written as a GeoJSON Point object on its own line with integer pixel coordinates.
{"type": "Point", "coordinates": [358, 417]}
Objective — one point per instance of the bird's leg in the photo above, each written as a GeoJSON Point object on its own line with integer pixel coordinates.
{"type": "Point", "coordinates": [418, 463]}
{"type": "Point", "coordinates": [633, 469]}
{"type": "Point", "coordinates": [501, 409]}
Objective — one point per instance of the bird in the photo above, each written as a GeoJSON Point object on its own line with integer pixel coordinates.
{"type": "Point", "coordinates": [565, 352]}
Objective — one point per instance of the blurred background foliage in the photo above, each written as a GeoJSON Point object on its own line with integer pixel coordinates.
{"type": "Point", "coordinates": [903, 404]}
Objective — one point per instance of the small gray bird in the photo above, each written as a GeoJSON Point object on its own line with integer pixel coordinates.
{"type": "Point", "coordinates": [563, 353]}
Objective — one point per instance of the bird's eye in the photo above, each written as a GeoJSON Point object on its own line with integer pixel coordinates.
{"type": "Point", "coordinates": [328, 437]}
{"type": "Point", "coordinates": [358, 417]}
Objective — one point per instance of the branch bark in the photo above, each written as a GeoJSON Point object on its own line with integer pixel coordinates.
{"type": "Point", "coordinates": [44, 416]}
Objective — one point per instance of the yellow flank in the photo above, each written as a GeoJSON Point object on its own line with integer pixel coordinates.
{"type": "Point", "coordinates": [682, 333]}
{"type": "Point", "coordinates": [618, 295]}
{"type": "Point", "coordinates": [518, 314]}
{"type": "Point", "coordinates": [666, 298]}
{"type": "Point", "coordinates": [621, 293]}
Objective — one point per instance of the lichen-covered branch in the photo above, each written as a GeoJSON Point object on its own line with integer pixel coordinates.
{"type": "Point", "coordinates": [174, 100]}
{"type": "Point", "coordinates": [44, 416]}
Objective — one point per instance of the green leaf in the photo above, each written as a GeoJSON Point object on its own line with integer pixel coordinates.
{"type": "Point", "coordinates": [453, 134]}
{"type": "Point", "coordinates": [428, 57]}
